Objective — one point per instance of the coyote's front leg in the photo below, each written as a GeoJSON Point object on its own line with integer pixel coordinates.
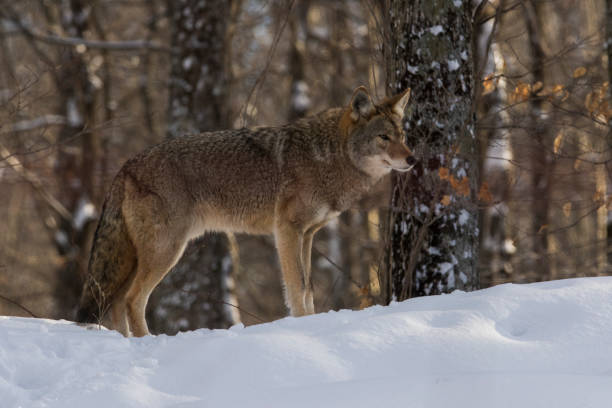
{"type": "Point", "coordinates": [306, 259]}
{"type": "Point", "coordinates": [289, 244]}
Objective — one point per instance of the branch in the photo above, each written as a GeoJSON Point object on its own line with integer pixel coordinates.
{"type": "Point", "coordinates": [36, 184]}
{"type": "Point", "coordinates": [133, 45]}
{"type": "Point", "coordinates": [271, 52]}
{"type": "Point", "coordinates": [18, 305]}
{"type": "Point", "coordinates": [31, 124]}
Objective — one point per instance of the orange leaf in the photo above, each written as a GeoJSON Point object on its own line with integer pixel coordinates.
{"type": "Point", "coordinates": [484, 194]}
{"type": "Point", "coordinates": [521, 92]}
{"type": "Point", "coordinates": [443, 173]}
{"type": "Point", "coordinates": [566, 95]}
{"type": "Point", "coordinates": [464, 187]}
{"type": "Point", "coordinates": [489, 84]}
{"type": "Point", "coordinates": [557, 142]}
{"type": "Point", "coordinates": [537, 86]}
{"type": "Point", "coordinates": [446, 200]}
{"type": "Point", "coordinates": [567, 209]}
{"type": "Point", "coordinates": [580, 71]}
{"type": "Point", "coordinates": [589, 103]}
{"type": "Point", "coordinates": [453, 182]}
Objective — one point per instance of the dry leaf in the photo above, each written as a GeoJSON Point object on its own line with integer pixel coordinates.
{"type": "Point", "coordinates": [566, 95]}
{"type": "Point", "coordinates": [484, 194]}
{"type": "Point", "coordinates": [580, 71]}
{"type": "Point", "coordinates": [567, 209]}
{"type": "Point", "coordinates": [542, 228]}
{"type": "Point", "coordinates": [443, 173]}
{"type": "Point", "coordinates": [365, 297]}
{"type": "Point", "coordinates": [365, 302]}
{"type": "Point", "coordinates": [588, 102]}
{"type": "Point", "coordinates": [453, 182]}
{"type": "Point", "coordinates": [521, 92]}
{"type": "Point", "coordinates": [446, 200]}
{"type": "Point", "coordinates": [537, 86]}
{"type": "Point", "coordinates": [598, 196]}
{"type": "Point", "coordinates": [557, 142]}
{"type": "Point", "coordinates": [463, 187]}
{"type": "Point", "coordinates": [488, 84]}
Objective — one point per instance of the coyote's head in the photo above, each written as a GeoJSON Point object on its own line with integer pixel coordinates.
{"type": "Point", "coordinates": [375, 135]}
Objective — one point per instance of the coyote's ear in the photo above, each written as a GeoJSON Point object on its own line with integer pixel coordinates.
{"type": "Point", "coordinates": [361, 104]}
{"type": "Point", "coordinates": [399, 102]}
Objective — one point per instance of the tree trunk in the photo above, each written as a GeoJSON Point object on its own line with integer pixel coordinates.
{"type": "Point", "coordinates": [540, 158]}
{"type": "Point", "coordinates": [299, 100]}
{"type": "Point", "coordinates": [198, 291]}
{"type": "Point", "coordinates": [604, 226]}
{"type": "Point", "coordinates": [433, 217]}
{"type": "Point", "coordinates": [77, 158]}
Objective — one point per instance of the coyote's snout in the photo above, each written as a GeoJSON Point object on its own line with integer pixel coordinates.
{"type": "Point", "coordinates": [288, 181]}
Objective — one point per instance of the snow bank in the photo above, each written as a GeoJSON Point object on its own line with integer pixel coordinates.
{"type": "Point", "coordinates": [539, 345]}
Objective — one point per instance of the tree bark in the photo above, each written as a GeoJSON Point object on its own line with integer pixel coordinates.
{"type": "Point", "coordinates": [77, 158]}
{"type": "Point", "coordinates": [541, 161]}
{"type": "Point", "coordinates": [604, 227]}
{"type": "Point", "coordinates": [433, 217]}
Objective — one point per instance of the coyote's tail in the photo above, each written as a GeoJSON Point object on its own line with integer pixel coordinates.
{"type": "Point", "coordinates": [112, 260]}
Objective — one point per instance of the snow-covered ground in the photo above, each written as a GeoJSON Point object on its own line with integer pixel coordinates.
{"type": "Point", "coordinates": [539, 345]}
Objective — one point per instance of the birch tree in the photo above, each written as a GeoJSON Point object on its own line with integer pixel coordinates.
{"type": "Point", "coordinates": [433, 231]}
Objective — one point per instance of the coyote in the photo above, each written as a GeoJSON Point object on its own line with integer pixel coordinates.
{"type": "Point", "coordinates": [288, 181]}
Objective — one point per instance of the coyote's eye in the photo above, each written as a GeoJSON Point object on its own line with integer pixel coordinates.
{"type": "Point", "coordinates": [384, 137]}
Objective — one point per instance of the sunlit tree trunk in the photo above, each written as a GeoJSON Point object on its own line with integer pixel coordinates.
{"type": "Point", "coordinates": [198, 291]}
{"type": "Point", "coordinates": [433, 219]}
{"type": "Point", "coordinates": [604, 227]}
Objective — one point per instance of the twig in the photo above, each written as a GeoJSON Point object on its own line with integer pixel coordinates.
{"type": "Point", "coordinates": [271, 53]}
{"type": "Point", "coordinates": [130, 45]}
{"type": "Point", "coordinates": [36, 184]}
{"type": "Point", "coordinates": [31, 124]}
{"type": "Point", "coordinates": [25, 309]}
{"type": "Point", "coordinates": [213, 299]}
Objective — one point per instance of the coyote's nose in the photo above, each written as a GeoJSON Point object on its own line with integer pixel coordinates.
{"type": "Point", "coordinates": [411, 160]}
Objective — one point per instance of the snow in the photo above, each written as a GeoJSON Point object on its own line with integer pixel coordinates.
{"type": "Point", "coordinates": [72, 113]}
{"type": "Point", "coordinates": [453, 65]}
{"type": "Point", "coordinates": [464, 216]}
{"type": "Point", "coordinates": [85, 212]}
{"type": "Point", "coordinates": [300, 99]}
{"type": "Point", "coordinates": [538, 345]}
{"type": "Point", "coordinates": [437, 29]}
{"type": "Point", "coordinates": [411, 69]}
